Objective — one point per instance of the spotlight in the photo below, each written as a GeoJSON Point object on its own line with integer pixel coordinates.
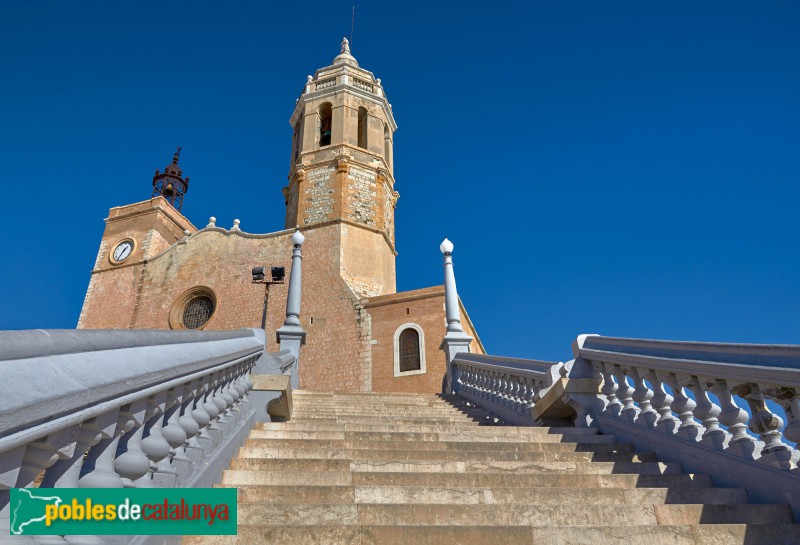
{"type": "Point", "coordinates": [278, 274]}
{"type": "Point", "coordinates": [258, 274]}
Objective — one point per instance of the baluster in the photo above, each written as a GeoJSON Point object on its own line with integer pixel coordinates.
{"type": "Point", "coordinates": [211, 408]}
{"type": "Point", "coordinates": [190, 425]}
{"type": "Point", "coordinates": [768, 425]}
{"type": "Point", "coordinates": [226, 417]}
{"type": "Point", "coordinates": [707, 413]}
{"type": "Point", "coordinates": [662, 403]}
{"type": "Point", "coordinates": [223, 422]}
{"type": "Point", "coordinates": [519, 395]}
{"type": "Point", "coordinates": [527, 399]}
{"type": "Point", "coordinates": [609, 388]}
{"type": "Point", "coordinates": [99, 463]}
{"type": "Point", "coordinates": [202, 417]}
{"type": "Point", "coordinates": [512, 385]}
{"type": "Point", "coordinates": [624, 393]}
{"type": "Point", "coordinates": [44, 453]}
{"type": "Point", "coordinates": [684, 407]}
{"type": "Point", "coordinates": [642, 395]}
{"type": "Point", "coordinates": [496, 397]}
{"type": "Point", "coordinates": [154, 445]}
{"type": "Point", "coordinates": [133, 463]}
{"type": "Point", "coordinates": [789, 399]}
{"type": "Point", "coordinates": [734, 418]}
{"type": "Point", "coordinates": [465, 380]}
{"type": "Point", "coordinates": [175, 463]}
{"type": "Point", "coordinates": [486, 393]}
{"type": "Point", "coordinates": [484, 384]}
{"type": "Point", "coordinates": [502, 390]}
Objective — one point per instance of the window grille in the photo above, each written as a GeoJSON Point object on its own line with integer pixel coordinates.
{"type": "Point", "coordinates": [409, 351]}
{"type": "Point", "coordinates": [197, 312]}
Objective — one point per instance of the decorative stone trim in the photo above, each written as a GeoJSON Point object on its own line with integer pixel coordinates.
{"type": "Point", "coordinates": [398, 331]}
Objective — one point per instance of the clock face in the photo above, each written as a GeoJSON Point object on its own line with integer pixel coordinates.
{"type": "Point", "coordinates": [122, 251]}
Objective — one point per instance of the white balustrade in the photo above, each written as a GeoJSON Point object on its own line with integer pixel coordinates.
{"type": "Point", "coordinates": [121, 408]}
{"type": "Point", "coordinates": [506, 387]}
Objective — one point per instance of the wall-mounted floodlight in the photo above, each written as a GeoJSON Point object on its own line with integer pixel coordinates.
{"type": "Point", "coordinates": [267, 276]}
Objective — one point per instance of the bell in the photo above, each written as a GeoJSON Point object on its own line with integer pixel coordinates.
{"type": "Point", "coordinates": [169, 191]}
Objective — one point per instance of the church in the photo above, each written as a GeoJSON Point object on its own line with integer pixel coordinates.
{"type": "Point", "coordinates": [156, 270]}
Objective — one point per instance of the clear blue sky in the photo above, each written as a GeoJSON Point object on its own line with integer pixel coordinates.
{"type": "Point", "coordinates": [622, 168]}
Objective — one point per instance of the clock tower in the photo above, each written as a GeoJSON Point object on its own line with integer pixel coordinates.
{"type": "Point", "coordinates": [341, 175]}
{"type": "Point", "coordinates": [133, 235]}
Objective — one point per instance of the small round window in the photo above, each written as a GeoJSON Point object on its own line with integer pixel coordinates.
{"type": "Point", "coordinates": [197, 312]}
{"type": "Point", "coordinates": [193, 308]}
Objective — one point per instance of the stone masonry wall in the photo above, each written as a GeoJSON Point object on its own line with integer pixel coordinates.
{"type": "Point", "coordinates": [361, 196]}
{"type": "Point", "coordinates": [318, 195]}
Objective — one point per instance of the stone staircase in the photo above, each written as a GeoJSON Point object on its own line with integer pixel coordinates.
{"type": "Point", "coordinates": [417, 469]}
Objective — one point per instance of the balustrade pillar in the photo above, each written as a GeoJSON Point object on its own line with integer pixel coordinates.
{"type": "Point", "coordinates": [99, 463]}
{"type": "Point", "coordinates": [734, 418]}
{"type": "Point", "coordinates": [609, 389]}
{"type": "Point", "coordinates": [768, 425]}
{"type": "Point", "coordinates": [625, 393]}
{"type": "Point", "coordinates": [662, 403]}
{"type": "Point", "coordinates": [647, 416]}
{"type": "Point", "coordinates": [684, 407]}
{"type": "Point", "coordinates": [154, 445]}
{"type": "Point", "coordinates": [708, 413]}
{"type": "Point", "coordinates": [133, 463]}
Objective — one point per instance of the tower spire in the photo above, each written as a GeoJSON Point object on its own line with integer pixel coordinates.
{"type": "Point", "coordinates": [171, 184]}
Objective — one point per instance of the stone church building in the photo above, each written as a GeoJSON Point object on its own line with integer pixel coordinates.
{"type": "Point", "coordinates": [155, 270]}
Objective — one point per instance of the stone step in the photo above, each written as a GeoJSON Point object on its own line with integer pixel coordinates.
{"type": "Point", "coordinates": [388, 419]}
{"type": "Point", "coordinates": [264, 514]}
{"type": "Point", "coordinates": [242, 477]}
{"type": "Point", "coordinates": [429, 466]}
{"type": "Point", "coordinates": [701, 534]}
{"type": "Point", "coordinates": [461, 446]}
{"type": "Point", "coordinates": [421, 428]}
{"type": "Point", "coordinates": [278, 494]}
{"type": "Point", "coordinates": [387, 411]}
{"type": "Point", "coordinates": [442, 436]}
{"type": "Point", "coordinates": [259, 448]}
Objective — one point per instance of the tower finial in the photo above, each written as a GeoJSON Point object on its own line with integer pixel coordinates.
{"type": "Point", "coordinates": [345, 47]}
{"type": "Point", "coordinates": [177, 156]}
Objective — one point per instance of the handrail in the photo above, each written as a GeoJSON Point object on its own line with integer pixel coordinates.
{"type": "Point", "coordinates": [645, 382]}
{"type": "Point", "coordinates": [123, 408]}
{"type": "Point", "coordinates": [507, 387]}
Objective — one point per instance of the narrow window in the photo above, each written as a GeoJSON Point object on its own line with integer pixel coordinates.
{"type": "Point", "coordinates": [387, 146]}
{"type": "Point", "coordinates": [362, 127]}
{"type": "Point", "coordinates": [409, 351]}
{"type": "Point", "coordinates": [325, 124]}
{"type": "Point", "coordinates": [296, 143]}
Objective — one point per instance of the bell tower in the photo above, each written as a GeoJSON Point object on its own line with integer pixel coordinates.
{"type": "Point", "coordinates": [170, 184]}
{"type": "Point", "coordinates": [342, 172]}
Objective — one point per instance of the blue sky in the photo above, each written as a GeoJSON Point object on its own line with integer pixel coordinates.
{"type": "Point", "coordinates": [623, 168]}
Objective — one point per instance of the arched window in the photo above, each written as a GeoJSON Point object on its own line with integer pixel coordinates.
{"type": "Point", "coordinates": [409, 350]}
{"type": "Point", "coordinates": [362, 127]}
{"type": "Point", "coordinates": [325, 126]}
{"type": "Point", "coordinates": [387, 146]}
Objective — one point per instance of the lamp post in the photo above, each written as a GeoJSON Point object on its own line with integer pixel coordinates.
{"type": "Point", "coordinates": [455, 339]}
